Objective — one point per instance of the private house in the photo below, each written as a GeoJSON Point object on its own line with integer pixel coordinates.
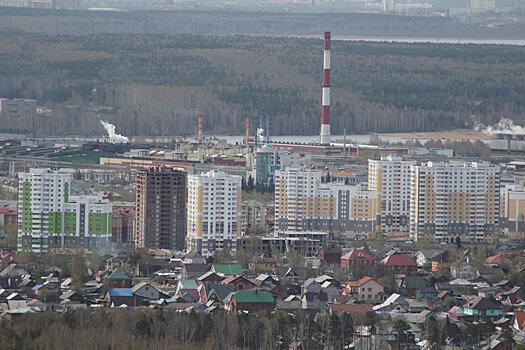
{"type": "Point", "coordinates": [145, 291]}
{"type": "Point", "coordinates": [191, 271]}
{"type": "Point", "coordinates": [481, 309]}
{"type": "Point", "coordinates": [425, 258]}
{"type": "Point", "coordinates": [357, 258]}
{"type": "Point", "coordinates": [350, 308]}
{"type": "Point", "coordinates": [239, 282]}
{"type": "Point", "coordinates": [209, 277]}
{"type": "Point", "coordinates": [227, 269]}
{"type": "Point", "coordinates": [194, 257]}
{"type": "Point", "coordinates": [214, 292]}
{"type": "Point", "coordinates": [120, 296]}
{"type": "Point", "coordinates": [395, 302]}
{"type": "Point", "coordinates": [263, 264]}
{"type": "Point", "coordinates": [115, 262]}
{"type": "Point", "coordinates": [250, 300]}
{"type": "Point", "coordinates": [281, 272]}
{"type": "Point", "coordinates": [117, 279]}
{"type": "Point", "coordinates": [518, 320]}
{"type": "Point", "coordinates": [399, 262]}
{"type": "Point", "coordinates": [329, 254]}
{"type": "Point", "coordinates": [498, 260]}
{"type": "Point", "coordinates": [366, 290]}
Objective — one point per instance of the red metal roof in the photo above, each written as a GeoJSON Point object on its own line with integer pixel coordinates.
{"type": "Point", "coordinates": [497, 259]}
{"type": "Point", "coordinates": [359, 283]}
{"type": "Point", "coordinates": [398, 260]}
{"type": "Point", "coordinates": [121, 212]}
{"type": "Point", "coordinates": [519, 316]}
{"type": "Point", "coordinates": [358, 254]}
{"type": "Point", "coordinates": [7, 210]}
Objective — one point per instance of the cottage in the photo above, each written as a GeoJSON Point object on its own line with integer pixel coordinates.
{"type": "Point", "coordinates": [120, 296]}
{"type": "Point", "coordinates": [481, 309]}
{"type": "Point", "coordinates": [329, 254]}
{"type": "Point", "coordinates": [357, 258]}
{"type": "Point", "coordinates": [194, 257]}
{"type": "Point", "coordinates": [263, 264]}
{"type": "Point", "coordinates": [190, 271]}
{"type": "Point", "coordinates": [209, 277]}
{"type": "Point", "coordinates": [399, 262]}
{"type": "Point", "coordinates": [214, 292]}
{"type": "Point", "coordinates": [366, 289]}
{"type": "Point", "coordinates": [117, 279]}
{"type": "Point", "coordinates": [250, 300]}
{"type": "Point", "coordinates": [146, 291]}
{"type": "Point", "coordinates": [239, 282]}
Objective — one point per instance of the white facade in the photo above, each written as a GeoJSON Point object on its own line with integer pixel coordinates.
{"type": "Point", "coordinates": [391, 177]}
{"type": "Point", "coordinates": [213, 212]}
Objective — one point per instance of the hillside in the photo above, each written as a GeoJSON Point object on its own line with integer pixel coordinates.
{"type": "Point", "coordinates": [147, 83]}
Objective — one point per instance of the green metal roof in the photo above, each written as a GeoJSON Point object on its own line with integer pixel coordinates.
{"type": "Point", "coordinates": [118, 275]}
{"type": "Point", "coordinates": [188, 284]}
{"type": "Point", "coordinates": [228, 269]}
{"type": "Point", "coordinates": [253, 296]}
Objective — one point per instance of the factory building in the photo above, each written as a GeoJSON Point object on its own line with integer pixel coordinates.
{"type": "Point", "coordinates": [18, 107]}
{"type": "Point", "coordinates": [160, 209]}
{"type": "Point", "coordinates": [390, 177]}
{"type": "Point", "coordinates": [214, 212]}
{"type": "Point", "coordinates": [451, 201]}
{"type": "Point", "coordinates": [50, 217]}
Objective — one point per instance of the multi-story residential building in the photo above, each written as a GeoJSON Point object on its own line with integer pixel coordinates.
{"type": "Point", "coordinates": [454, 200]}
{"type": "Point", "coordinates": [390, 176]}
{"type": "Point", "coordinates": [269, 159]}
{"type": "Point", "coordinates": [123, 225]}
{"type": "Point", "coordinates": [302, 202]}
{"type": "Point", "coordinates": [253, 216]}
{"type": "Point", "coordinates": [50, 217]}
{"type": "Point", "coordinates": [292, 187]}
{"type": "Point", "coordinates": [161, 209]}
{"type": "Point", "coordinates": [512, 211]}
{"type": "Point", "coordinates": [214, 212]}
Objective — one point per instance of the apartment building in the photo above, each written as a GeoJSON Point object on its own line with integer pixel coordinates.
{"type": "Point", "coordinates": [50, 217]}
{"type": "Point", "coordinates": [253, 216]}
{"type": "Point", "coordinates": [390, 177]}
{"type": "Point", "coordinates": [451, 201]}
{"type": "Point", "coordinates": [268, 159]}
{"type": "Point", "coordinates": [303, 203]}
{"type": "Point", "coordinates": [512, 211]}
{"type": "Point", "coordinates": [160, 209]}
{"type": "Point", "coordinates": [214, 212]}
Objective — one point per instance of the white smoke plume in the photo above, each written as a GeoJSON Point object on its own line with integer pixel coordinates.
{"type": "Point", "coordinates": [504, 126]}
{"type": "Point", "coordinates": [113, 136]}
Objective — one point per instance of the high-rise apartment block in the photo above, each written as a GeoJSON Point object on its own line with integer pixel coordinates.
{"type": "Point", "coordinates": [269, 159]}
{"type": "Point", "coordinates": [161, 209]}
{"type": "Point", "coordinates": [303, 203]}
{"type": "Point", "coordinates": [50, 217]}
{"type": "Point", "coordinates": [390, 176]}
{"type": "Point", "coordinates": [454, 200]}
{"type": "Point", "coordinates": [214, 212]}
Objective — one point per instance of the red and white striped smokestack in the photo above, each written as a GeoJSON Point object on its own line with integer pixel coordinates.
{"type": "Point", "coordinates": [325, 118]}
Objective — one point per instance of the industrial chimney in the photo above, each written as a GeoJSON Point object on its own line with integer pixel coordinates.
{"type": "Point", "coordinates": [325, 118]}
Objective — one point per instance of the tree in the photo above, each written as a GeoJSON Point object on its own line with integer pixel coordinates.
{"type": "Point", "coordinates": [222, 256]}
{"type": "Point", "coordinates": [79, 274]}
{"type": "Point", "coordinates": [341, 275]}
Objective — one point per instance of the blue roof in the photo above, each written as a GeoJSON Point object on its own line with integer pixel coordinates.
{"type": "Point", "coordinates": [37, 287]}
{"type": "Point", "coordinates": [120, 292]}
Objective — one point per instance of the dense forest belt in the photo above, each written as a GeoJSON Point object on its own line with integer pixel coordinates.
{"type": "Point", "coordinates": [246, 22]}
{"type": "Point", "coordinates": [146, 83]}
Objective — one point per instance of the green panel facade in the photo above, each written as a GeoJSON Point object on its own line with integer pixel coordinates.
{"type": "Point", "coordinates": [98, 224]}
{"type": "Point", "coordinates": [55, 223]}
{"type": "Point", "coordinates": [27, 214]}
{"type": "Point", "coordinates": [70, 223]}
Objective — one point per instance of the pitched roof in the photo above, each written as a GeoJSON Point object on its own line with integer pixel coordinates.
{"type": "Point", "coordinates": [187, 284]}
{"type": "Point", "coordinates": [431, 253]}
{"type": "Point", "coordinates": [398, 260]}
{"type": "Point", "coordinates": [351, 308]}
{"type": "Point", "coordinates": [482, 303]}
{"type": "Point", "coordinates": [120, 292]}
{"type": "Point", "coordinates": [497, 259]}
{"type": "Point", "coordinates": [221, 290]}
{"type": "Point", "coordinates": [228, 269]}
{"type": "Point", "coordinates": [519, 316]}
{"type": "Point", "coordinates": [253, 296]}
{"type": "Point", "coordinates": [360, 282]}
{"type": "Point", "coordinates": [331, 249]}
{"type": "Point", "coordinates": [357, 254]}
{"type": "Point", "coordinates": [118, 275]}
{"type": "Point", "coordinates": [196, 268]}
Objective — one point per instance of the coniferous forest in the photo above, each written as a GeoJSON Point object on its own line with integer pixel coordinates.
{"type": "Point", "coordinates": [153, 84]}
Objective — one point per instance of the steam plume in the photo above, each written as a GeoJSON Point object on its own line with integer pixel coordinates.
{"type": "Point", "coordinates": [113, 136]}
{"type": "Point", "coordinates": [504, 126]}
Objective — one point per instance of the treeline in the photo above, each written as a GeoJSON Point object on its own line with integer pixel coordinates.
{"type": "Point", "coordinates": [168, 329]}
{"type": "Point", "coordinates": [155, 84]}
